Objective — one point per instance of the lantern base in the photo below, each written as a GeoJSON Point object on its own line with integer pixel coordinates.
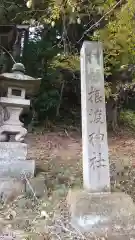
{"type": "Point", "coordinates": [13, 161]}
{"type": "Point", "coordinates": [7, 130]}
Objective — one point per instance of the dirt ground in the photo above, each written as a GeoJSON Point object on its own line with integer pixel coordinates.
{"type": "Point", "coordinates": [64, 149]}
{"type": "Point", "coordinates": [58, 156]}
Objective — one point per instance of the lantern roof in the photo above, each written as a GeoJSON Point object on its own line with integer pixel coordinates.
{"type": "Point", "coordinates": [18, 73]}
{"type": "Point", "coordinates": [18, 78]}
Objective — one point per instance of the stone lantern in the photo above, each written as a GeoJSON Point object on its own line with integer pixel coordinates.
{"type": "Point", "coordinates": [14, 88]}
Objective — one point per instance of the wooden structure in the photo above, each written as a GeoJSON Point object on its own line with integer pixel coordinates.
{"type": "Point", "coordinates": [13, 38]}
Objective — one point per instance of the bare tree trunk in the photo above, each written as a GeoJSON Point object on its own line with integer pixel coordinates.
{"type": "Point", "coordinates": [112, 114]}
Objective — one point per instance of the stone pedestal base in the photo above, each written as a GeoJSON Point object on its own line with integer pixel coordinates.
{"type": "Point", "coordinates": [17, 169]}
{"type": "Point", "coordinates": [13, 162]}
{"type": "Point", "coordinates": [110, 215]}
{"type": "Point", "coordinates": [10, 189]}
{"type": "Point", "coordinates": [13, 151]}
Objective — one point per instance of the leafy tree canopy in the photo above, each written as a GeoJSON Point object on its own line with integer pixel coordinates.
{"type": "Point", "coordinates": [54, 51]}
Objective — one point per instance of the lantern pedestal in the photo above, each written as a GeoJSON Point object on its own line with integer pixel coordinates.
{"type": "Point", "coordinates": [14, 114]}
{"type": "Point", "coordinates": [13, 125]}
{"type": "Point", "coordinates": [13, 161]}
{"type": "Point", "coordinates": [13, 155]}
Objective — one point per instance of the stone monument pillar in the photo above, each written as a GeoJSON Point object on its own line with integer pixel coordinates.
{"type": "Point", "coordinates": [95, 211]}
{"type": "Point", "coordinates": [13, 153]}
{"type": "Point", "coordinates": [94, 134]}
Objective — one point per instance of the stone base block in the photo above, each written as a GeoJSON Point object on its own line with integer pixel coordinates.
{"type": "Point", "coordinates": [17, 169]}
{"type": "Point", "coordinates": [108, 215]}
{"type": "Point", "coordinates": [10, 189]}
{"type": "Point", "coordinates": [13, 151]}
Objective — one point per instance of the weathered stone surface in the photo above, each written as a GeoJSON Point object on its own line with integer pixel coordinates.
{"type": "Point", "coordinates": [111, 214]}
{"type": "Point", "coordinates": [13, 151]}
{"type": "Point", "coordinates": [38, 186]}
{"type": "Point", "coordinates": [11, 235]}
{"type": "Point", "coordinates": [22, 235]}
{"type": "Point", "coordinates": [6, 237]}
{"type": "Point", "coordinates": [17, 169]}
{"type": "Point", "coordinates": [10, 189]}
{"type": "Point", "coordinates": [94, 133]}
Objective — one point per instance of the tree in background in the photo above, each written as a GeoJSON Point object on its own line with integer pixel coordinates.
{"type": "Point", "coordinates": [53, 51]}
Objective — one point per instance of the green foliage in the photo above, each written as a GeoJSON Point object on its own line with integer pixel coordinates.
{"type": "Point", "coordinates": [116, 31]}
{"type": "Point", "coordinates": [108, 90]}
{"type": "Point", "coordinates": [119, 37]}
{"type": "Point", "coordinates": [128, 118]}
{"type": "Point", "coordinates": [12, 12]}
{"type": "Point", "coordinates": [54, 56]}
{"type": "Point", "coordinates": [70, 62]}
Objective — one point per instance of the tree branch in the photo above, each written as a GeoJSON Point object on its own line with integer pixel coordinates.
{"type": "Point", "coordinates": [5, 50]}
{"type": "Point", "coordinates": [96, 24]}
